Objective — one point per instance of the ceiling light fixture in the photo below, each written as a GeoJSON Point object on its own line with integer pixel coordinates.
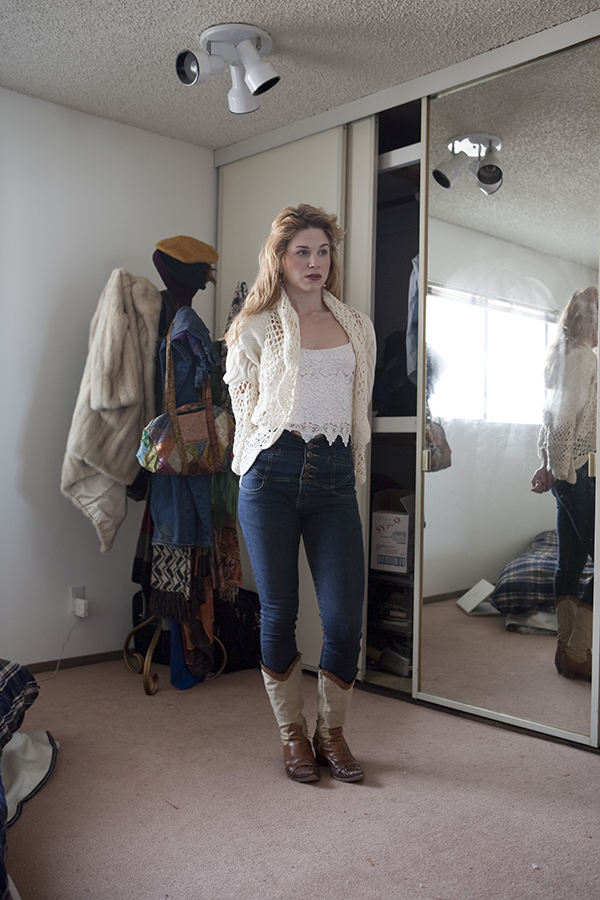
{"type": "Point", "coordinates": [242, 48]}
{"type": "Point", "coordinates": [479, 153]}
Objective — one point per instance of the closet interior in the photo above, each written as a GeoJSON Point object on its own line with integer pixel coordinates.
{"type": "Point", "coordinates": [389, 632]}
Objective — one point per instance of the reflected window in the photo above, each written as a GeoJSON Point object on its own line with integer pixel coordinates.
{"type": "Point", "coordinates": [490, 356]}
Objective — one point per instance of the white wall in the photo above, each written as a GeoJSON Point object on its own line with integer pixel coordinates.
{"type": "Point", "coordinates": [79, 197]}
{"type": "Point", "coordinates": [481, 513]}
{"type": "Point", "coordinates": [470, 261]}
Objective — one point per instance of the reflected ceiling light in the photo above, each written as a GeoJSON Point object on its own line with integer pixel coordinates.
{"type": "Point", "coordinates": [242, 48]}
{"type": "Point", "coordinates": [448, 171]}
{"type": "Point", "coordinates": [482, 149]}
{"type": "Point", "coordinates": [489, 172]}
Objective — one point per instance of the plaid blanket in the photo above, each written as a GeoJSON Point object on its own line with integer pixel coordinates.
{"type": "Point", "coordinates": [527, 582]}
{"type": "Point", "coordinates": [18, 690]}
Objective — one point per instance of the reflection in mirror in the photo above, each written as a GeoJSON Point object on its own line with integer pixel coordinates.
{"type": "Point", "coordinates": [501, 267]}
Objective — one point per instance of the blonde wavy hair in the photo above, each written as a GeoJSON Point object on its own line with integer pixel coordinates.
{"type": "Point", "coordinates": [266, 290]}
{"type": "Point", "coordinates": [577, 327]}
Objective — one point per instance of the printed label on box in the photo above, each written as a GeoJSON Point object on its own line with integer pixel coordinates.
{"type": "Point", "coordinates": [391, 541]}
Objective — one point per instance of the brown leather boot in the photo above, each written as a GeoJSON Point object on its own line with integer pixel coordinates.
{"type": "Point", "coordinates": [566, 609]}
{"type": "Point", "coordinates": [298, 757]}
{"type": "Point", "coordinates": [335, 753]}
{"type": "Point", "coordinates": [577, 658]}
{"type": "Point", "coordinates": [285, 694]}
{"type": "Point", "coordinates": [330, 745]}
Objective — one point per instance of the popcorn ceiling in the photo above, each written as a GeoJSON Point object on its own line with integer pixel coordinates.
{"type": "Point", "coordinates": [116, 58]}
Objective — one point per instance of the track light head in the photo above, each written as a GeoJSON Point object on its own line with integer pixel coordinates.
{"type": "Point", "coordinates": [260, 74]}
{"type": "Point", "coordinates": [447, 172]}
{"type": "Point", "coordinates": [239, 97]}
{"type": "Point", "coordinates": [490, 188]}
{"type": "Point", "coordinates": [489, 172]}
{"type": "Point", "coordinates": [195, 66]}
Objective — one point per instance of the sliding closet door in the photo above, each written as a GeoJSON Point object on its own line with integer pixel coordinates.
{"type": "Point", "coordinates": [251, 193]}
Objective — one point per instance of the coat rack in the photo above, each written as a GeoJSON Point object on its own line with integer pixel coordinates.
{"type": "Point", "coordinates": [141, 665]}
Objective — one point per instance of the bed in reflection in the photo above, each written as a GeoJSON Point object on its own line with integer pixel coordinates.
{"type": "Point", "coordinates": [526, 584]}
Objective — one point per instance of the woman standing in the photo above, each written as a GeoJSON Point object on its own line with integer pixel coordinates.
{"type": "Point", "coordinates": [567, 438]}
{"type": "Point", "coordinates": [300, 369]}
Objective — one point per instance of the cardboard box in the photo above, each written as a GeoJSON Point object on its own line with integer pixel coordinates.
{"type": "Point", "coordinates": [393, 531]}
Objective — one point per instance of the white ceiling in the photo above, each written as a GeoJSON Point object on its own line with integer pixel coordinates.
{"type": "Point", "coordinates": [116, 58]}
{"type": "Point", "coordinates": [547, 114]}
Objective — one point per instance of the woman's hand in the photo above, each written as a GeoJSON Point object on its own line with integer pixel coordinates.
{"type": "Point", "coordinates": [542, 480]}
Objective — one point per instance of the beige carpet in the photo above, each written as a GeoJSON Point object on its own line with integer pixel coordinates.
{"type": "Point", "coordinates": [182, 796]}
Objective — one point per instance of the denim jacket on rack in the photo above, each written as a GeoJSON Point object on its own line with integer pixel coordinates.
{"type": "Point", "coordinates": [180, 504]}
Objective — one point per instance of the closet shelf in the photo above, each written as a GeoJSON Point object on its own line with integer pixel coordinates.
{"type": "Point", "coordinates": [394, 424]}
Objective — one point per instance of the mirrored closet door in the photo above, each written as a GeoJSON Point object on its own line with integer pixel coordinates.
{"type": "Point", "coordinates": [502, 264]}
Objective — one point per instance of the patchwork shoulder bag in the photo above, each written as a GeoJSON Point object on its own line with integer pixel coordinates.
{"type": "Point", "coordinates": [436, 443]}
{"type": "Point", "coordinates": [195, 439]}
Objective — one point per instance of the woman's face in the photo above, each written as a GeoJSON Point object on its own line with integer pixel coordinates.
{"type": "Point", "coordinates": [306, 262]}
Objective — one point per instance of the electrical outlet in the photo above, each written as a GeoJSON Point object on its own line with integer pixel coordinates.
{"type": "Point", "coordinates": [76, 593]}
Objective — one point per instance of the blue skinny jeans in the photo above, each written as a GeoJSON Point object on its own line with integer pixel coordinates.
{"type": "Point", "coordinates": [304, 489]}
{"type": "Point", "coordinates": [575, 515]}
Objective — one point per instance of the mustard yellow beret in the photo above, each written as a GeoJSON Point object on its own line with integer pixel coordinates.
{"type": "Point", "coordinates": [188, 250]}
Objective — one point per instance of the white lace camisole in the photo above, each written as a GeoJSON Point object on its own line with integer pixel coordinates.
{"type": "Point", "coordinates": [324, 393]}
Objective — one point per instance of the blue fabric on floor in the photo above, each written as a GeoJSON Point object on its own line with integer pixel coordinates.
{"type": "Point", "coordinates": [181, 677]}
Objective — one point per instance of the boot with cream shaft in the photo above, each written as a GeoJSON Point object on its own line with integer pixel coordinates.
{"type": "Point", "coordinates": [285, 694]}
{"type": "Point", "coordinates": [330, 745]}
{"type": "Point", "coordinates": [577, 658]}
{"type": "Point", "coordinates": [566, 608]}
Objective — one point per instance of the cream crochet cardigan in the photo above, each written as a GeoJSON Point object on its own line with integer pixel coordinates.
{"type": "Point", "coordinates": [262, 366]}
{"type": "Point", "coordinates": [568, 434]}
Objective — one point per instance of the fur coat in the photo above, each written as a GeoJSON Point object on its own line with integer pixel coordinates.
{"type": "Point", "coordinates": [115, 402]}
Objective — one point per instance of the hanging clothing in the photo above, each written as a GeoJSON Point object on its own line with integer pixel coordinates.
{"type": "Point", "coordinates": [115, 402]}
{"type": "Point", "coordinates": [412, 322]}
{"type": "Point", "coordinates": [181, 507]}
{"type": "Point", "coordinates": [193, 355]}
{"type": "Point", "coordinates": [239, 298]}
{"type": "Point", "coordinates": [188, 544]}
